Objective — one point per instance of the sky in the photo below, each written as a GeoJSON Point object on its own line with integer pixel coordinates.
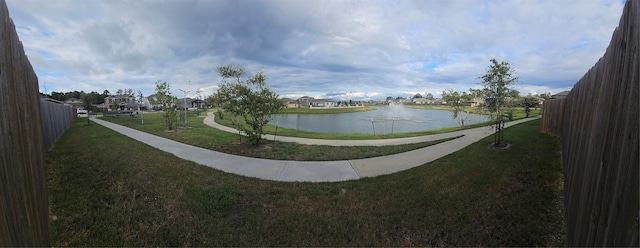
{"type": "Point", "coordinates": [331, 49]}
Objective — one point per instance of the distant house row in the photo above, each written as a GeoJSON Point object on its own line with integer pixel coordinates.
{"type": "Point", "coordinates": [436, 101]}
{"type": "Point", "coordinates": [307, 101]}
{"type": "Point", "coordinates": [130, 102]}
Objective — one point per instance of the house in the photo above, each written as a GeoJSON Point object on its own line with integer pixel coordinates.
{"type": "Point", "coordinates": [305, 101]}
{"type": "Point", "coordinates": [476, 101]}
{"type": "Point", "coordinates": [437, 101]}
{"type": "Point", "coordinates": [420, 101]}
{"type": "Point", "coordinates": [191, 104]}
{"type": "Point", "coordinates": [323, 103]}
{"type": "Point", "coordinates": [289, 103]}
{"type": "Point", "coordinates": [124, 102]}
{"type": "Point", "coordinates": [560, 95]}
{"type": "Point", "coordinates": [292, 104]}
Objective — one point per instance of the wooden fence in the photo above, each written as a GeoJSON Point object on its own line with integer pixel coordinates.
{"type": "Point", "coordinates": [56, 118]}
{"type": "Point", "coordinates": [24, 208]}
{"type": "Point", "coordinates": [553, 116]}
{"type": "Point", "coordinates": [599, 122]}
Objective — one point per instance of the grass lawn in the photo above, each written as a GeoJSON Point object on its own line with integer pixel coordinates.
{"type": "Point", "coordinates": [201, 135]}
{"type": "Point", "coordinates": [108, 190]}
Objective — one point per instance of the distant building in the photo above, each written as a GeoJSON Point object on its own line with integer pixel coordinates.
{"type": "Point", "coordinates": [560, 95]}
{"type": "Point", "coordinates": [192, 104]}
{"type": "Point", "coordinates": [323, 103]}
{"type": "Point", "coordinates": [419, 101]}
{"type": "Point", "coordinates": [305, 101]}
{"type": "Point", "coordinates": [125, 102]}
{"type": "Point", "coordinates": [476, 101]}
{"type": "Point", "coordinates": [289, 103]}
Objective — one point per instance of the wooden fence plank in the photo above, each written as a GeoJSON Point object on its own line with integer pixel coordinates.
{"type": "Point", "coordinates": [24, 210]}
{"type": "Point", "coordinates": [599, 125]}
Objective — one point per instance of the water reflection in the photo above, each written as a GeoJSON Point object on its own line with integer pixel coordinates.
{"type": "Point", "coordinates": [383, 120]}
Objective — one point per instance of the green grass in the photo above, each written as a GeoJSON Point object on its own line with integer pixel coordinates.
{"type": "Point", "coordinates": [108, 190]}
{"type": "Point", "coordinates": [200, 135]}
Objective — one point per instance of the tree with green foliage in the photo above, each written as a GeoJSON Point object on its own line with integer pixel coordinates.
{"type": "Point", "coordinates": [115, 106]}
{"type": "Point", "coordinates": [214, 102]}
{"type": "Point", "coordinates": [417, 95]}
{"type": "Point", "coordinates": [250, 99]}
{"type": "Point", "coordinates": [457, 101]}
{"type": "Point", "coordinates": [141, 102]}
{"type": "Point", "coordinates": [529, 102]}
{"type": "Point", "coordinates": [429, 96]}
{"type": "Point", "coordinates": [546, 96]}
{"type": "Point", "coordinates": [512, 102]}
{"type": "Point", "coordinates": [86, 104]}
{"type": "Point", "coordinates": [165, 99]}
{"type": "Point", "coordinates": [497, 87]}
{"type": "Point", "coordinates": [476, 93]}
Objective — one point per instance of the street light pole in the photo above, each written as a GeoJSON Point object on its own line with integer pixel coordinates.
{"type": "Point", "coordinates": [185, 105]}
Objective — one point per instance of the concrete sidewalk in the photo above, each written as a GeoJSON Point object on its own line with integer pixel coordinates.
{"type": "Point", "coordinates": [332, 171]}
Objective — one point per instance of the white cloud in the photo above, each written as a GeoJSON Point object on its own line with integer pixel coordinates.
{"type": "Point", "coordinates": [359, 49]}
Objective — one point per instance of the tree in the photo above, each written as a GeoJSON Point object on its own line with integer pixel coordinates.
{"type": "Point", "coordinates": [429, 96]}
{"type": "Point", "coordinates": [417, 95]}
{"type": "Point", "coordinates": [115, 106]}
{"type": "Point", "coordinates": [497, 84]}
{"type": "Point", "coordinates": [86, 104]}
{"type": "Point", "coordinates": [475, 92]}
{"type": "Point", "coordinates": [529, 102]}
{"type": "Point", "coordinates": [457, 101]}
{"type": "Point", "coordinates": [512, 101]}
{"type": "Point", "coordinates": [57, 96]}
{"type": "Point", "coordinates": [119, 92]}
{"type": "Point", "coordinates": [545, 96]}
{"type": "Point", "coordinates": [165, 99]}
{"type": "Point", "coordinates": [214, 101]}
{"type": "Point", "coordinates": [251, 99]}
{"type": "Point", "coordinates": [141, 102]}
{"type": "Point", "coordinates": [389, 98]}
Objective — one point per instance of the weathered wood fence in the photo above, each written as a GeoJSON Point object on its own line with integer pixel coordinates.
{"type": "Point", "coordinates": [24, 208]}
{"type": "Point", "coordinates": [553, 116]}
{"type": "Point", "coordinates": [56, 118]}
{"type": "Point", "coordinates": [598, 123]}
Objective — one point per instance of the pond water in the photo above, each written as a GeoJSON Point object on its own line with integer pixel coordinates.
{"type": "Point", "coordinates": [383, 120]}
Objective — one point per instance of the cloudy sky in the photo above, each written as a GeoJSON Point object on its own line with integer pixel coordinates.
{"type": "Point", "coordinates": [342, 50]}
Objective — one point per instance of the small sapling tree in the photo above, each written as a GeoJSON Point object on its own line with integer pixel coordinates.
{"type": "Point", "coordinates": [251, 99]}
{"type": "Point", "coordinates": [457, 101]}
{"type": "Point", "coordinates": [165, 99]}
{"type": "Point", "coordinates": [497, 86]}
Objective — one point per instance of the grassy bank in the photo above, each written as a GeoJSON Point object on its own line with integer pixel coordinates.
{"type": "Point", "coordinates": [200, 135]}
{"type": "Point", "coordinates": [108, 190]}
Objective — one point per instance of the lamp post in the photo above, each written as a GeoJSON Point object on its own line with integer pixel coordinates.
{"type": "Point", "coordinates": [185, 105]}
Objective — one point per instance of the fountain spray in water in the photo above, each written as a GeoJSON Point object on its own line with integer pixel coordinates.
{"type": "Point", "coordinates": [395, 110]}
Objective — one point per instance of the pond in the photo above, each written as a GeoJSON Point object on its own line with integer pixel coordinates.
{"type": "Point", "coordinates": [382, 120]}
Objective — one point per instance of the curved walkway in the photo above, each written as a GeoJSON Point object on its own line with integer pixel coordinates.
{"type": "Point", "coordinates": [308, 171]}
